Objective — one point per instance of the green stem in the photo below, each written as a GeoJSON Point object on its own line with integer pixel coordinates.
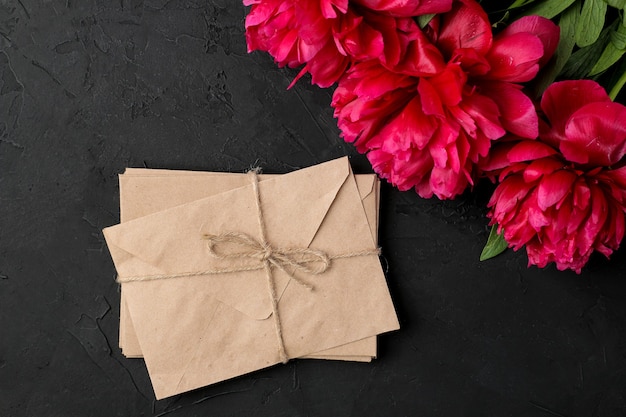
{"type": "Point", "coordinates": [518, 3]}
{"type": "Point", "coordinates": [618, 86]}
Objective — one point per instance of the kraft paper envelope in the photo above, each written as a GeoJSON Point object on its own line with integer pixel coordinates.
{"type": "Point", "coordinates": [221, 325]}
{"type": "Point", "coordinates": [145, 191]}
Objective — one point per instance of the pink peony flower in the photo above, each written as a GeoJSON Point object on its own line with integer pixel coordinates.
{"type": "Point", "coordinates": [427, 124]}
{"type": "Point", "coordinates": [326, 35]}
{"type": "Point", "coordinates": [564, 196]}
{"type": "Point", "coordinates": [407, 8]}
{"type": "Point", "coordinates": [298, 32]}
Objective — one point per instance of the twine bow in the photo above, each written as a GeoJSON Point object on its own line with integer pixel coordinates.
{"type": "Point", "coordinates": [243, 246]}
{"type": "Point", "coordinates": [289, 260]}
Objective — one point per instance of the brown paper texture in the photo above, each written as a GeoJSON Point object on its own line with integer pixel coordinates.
{"type": "Point", "coordinates": [146, 191]}
{"type": "Point", "coordinates": [221, 326]}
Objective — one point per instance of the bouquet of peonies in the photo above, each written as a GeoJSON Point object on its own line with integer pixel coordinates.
{"type": "Point", "coordinates": [436, 101]}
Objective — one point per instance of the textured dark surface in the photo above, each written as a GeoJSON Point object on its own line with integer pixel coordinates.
{"type": "Point", "coordinates": [89, 87]}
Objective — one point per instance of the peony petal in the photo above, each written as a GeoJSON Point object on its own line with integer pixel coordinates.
{"type": "Point", "coordinates": [497, 158]}
{"type": "Point", "coordinates": [458, 116]}
{"type": "Point", "coordinates": [537, 218]}
{"type": "Point", "coordinates": [512, 169]}
{"type": "Point", "coordinates": [515, 57]}
{"type": "Point", "coordinates": [619, 227]}
{"type": "Point", "coordinates": [410, 128]}
{"type": "Point", "coordinates": [618, 176]}
{"type": "Point", "coordinates": [597, 217]}
{"type": "Point", "coordinates": [485, 113]}
{"type": "Point", "coordinates": [416, 56]}
{"type": "Point", "coordinates": [431, 102]}
{"type": "Point", "coordinates": [327, 66]}
{"type": "Point", "coordinates": [553, 187]}
{"type": "Point", "coordinates": [507, 194]}
{"type": "Point", "coordinates": [465, 26]}
{"type": "Point", "coordinates": [449, 84]}
{"type": "Point", "coordinates": [459, 154]}
{"type": "Point", "coordinates": [563, 98]}
{"type": "Point", "coordinates": [528, 150]}
{"type": "Point", "coordinates": [596, 134]}
{"type": "Point", "coordinates": [260, 13]}
{"type": "Point", "coordinates": [446, 184]}
{"type": "Point", "coordinates": [517, 112]}
{"type": "Point", "coordinates": [582, 194]}
{"type": "Point", "coordinates": [371, 80]}
{"type": "Point", "coordinates": [471, 61]}
{"type": "Point", "coordinates": [407, 8]}
{"type": "Point", "coordinates": [544, 29]}
{"type": "Point", "coordinates": [284, 48]}
{"type": "Point", "coordinates": [540, 167]}
{"type": "Point", "coordinates": [358, 39]}
{"type": "Point", "coordinates": [331, 7]}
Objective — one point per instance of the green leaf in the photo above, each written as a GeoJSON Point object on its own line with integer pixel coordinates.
{"type": "Point", "coordinates": [495, 244]}
{"type": "Point", "coordinates": [609, 56]}
{"type": "Point", "coordinates": [549, 8]}
{"type": "Point", "coordinates": [519, 3]}
{"type": "Point", "coordinates": [591, 22]}
{"type": "Point", "coordinates": [583, 60]}
{"type": "Point", "coordinates": [618, 80]}
{"type": "Point", "coordinates": [425, 19]}
{"type": "Point", "coordinates": [618, 37]}
{"type": "Point", "coordinates": [567, 24]}
{"type": "Point", "coordinates": [618, 4]}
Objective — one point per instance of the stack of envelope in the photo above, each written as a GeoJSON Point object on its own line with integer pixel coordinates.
{"type": "Point", "coordinates": [194, 329]}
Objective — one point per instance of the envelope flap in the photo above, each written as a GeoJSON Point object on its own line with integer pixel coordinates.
{"type": "Point", "coordinates": [294, 208]}
{"type": "Point", "coordinates": [365, 183]}
{"type": "Point", "coordinates": [294, 205]}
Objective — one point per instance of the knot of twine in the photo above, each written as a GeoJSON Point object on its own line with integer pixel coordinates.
{"type": "Point", "coordinates": [243, 246]}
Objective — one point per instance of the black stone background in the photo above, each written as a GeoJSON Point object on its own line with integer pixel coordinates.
{"type": "Point", "coordinates": [89, 87]}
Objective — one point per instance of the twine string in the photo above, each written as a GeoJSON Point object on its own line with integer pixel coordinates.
{"type": "Point", "coordinates": [267, 255]}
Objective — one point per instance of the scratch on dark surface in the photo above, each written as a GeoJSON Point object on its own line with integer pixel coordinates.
{"type": "Point", "coordinates": [12, 143]}
{"type": "Point", "coordinates": [12, 69]}
{"type": "Point", "coordinates": [268, 395]}
{"type": "Point", "coordinates": [90, 223]}
{"type": "Point", "coordinates": [203, 399]}
{"type": "Point", "coordinates": [88, 353]}
{"type": "Point", "coordinates": [295, 381]}
{"type": "Point", "coordinates": [14, 104]}
{"type": "Point", "coordinates": [14, 101]}
{"type": "Point", "coordinates": [105, 310]}
{"type": "Point", "coordinates": [300, 142]}
{"type": "Point", "coordinates": [5, 36]}
{"type": "Point", "coordinates": [313, 118]}
{"type": "Point", "coordinates": [2, 276]}
{"type": "Point", "coordinates": [44, 69]}
{"type": "Point", "coordinates": [179, 36]}
{"type": "Point", "coordinates": [225, 152]}
{"type": "Point", "coordinates": [546, 410]}
{"type": "Point", "coordinates": [24, 8]}
{"type": "Point", "coordinates": [582, 375]}
{"type": "Point", "coordinates": [52, 77]}
{"type": "Point", "coordinates": [392, 400]}
{"type": "Point", "coordinates": [49, 264]}
{"type": "Point", "coordinates": [522, 282]}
